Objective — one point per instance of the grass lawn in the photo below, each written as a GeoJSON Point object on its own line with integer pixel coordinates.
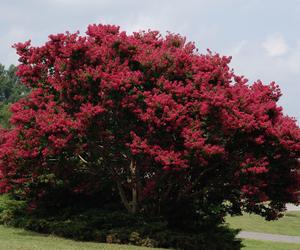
{"type": "Point", "coordinates": [287, 225]}
{"type": "Point", "coordinates": [263, 245]}
{"type": "Point", "coordinates": [18, 239]}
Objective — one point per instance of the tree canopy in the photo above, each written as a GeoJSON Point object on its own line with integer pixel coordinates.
{"type": "Point", "coordinates": [148, 122]}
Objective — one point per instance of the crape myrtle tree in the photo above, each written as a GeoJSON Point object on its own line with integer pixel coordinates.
{"type": "Point", "coordinates": [146, 120]}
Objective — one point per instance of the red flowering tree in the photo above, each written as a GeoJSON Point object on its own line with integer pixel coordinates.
{"type": "Point", "coordinates": [164, 129]}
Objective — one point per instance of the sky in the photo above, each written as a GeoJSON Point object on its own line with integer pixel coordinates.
{"type": "Point", "coordinates": [263, 37]}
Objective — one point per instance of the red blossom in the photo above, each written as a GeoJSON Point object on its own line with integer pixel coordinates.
{"type": "Point", "coordinates": [112, 96]}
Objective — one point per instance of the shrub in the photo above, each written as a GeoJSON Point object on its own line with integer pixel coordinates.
{"type": "Point", "coordinates": [122, 228]}
{"type": "Point", "coordinates": [10, 209]}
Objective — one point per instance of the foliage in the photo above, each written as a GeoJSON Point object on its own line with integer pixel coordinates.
{"type": "Point", "coordinates": [147, 123]}
{"type": "Point", "coordinates": [11, 90]}
{"type": "Point", "coordinates": [10, 87]}
{"type": "Point", "coordinates": [11, 209]}
{"type": "Point", "coordinates": [4, 115]}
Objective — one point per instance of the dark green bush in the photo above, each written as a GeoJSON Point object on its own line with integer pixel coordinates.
{"type": "Point", "coordinates": [103, 225]}
{"type": "Point", "coordinates": [11, 210]}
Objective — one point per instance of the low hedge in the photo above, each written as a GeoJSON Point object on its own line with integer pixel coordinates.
{"type": "Point", "coordinates": [116, 227]}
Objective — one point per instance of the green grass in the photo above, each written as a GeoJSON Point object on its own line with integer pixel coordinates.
{"type": "Point", "coordinates": [263, 245]}
{"type": "Point", "coordinates": [19, 239]}
{"type": "Point", "coordinates": [287, 225]}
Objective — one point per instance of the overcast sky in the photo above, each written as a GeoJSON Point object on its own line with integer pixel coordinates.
{"type": "Point", "coordinates": [263, 37]}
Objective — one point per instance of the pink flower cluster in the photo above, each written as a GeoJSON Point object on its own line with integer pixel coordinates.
{"type": "Point", "coordinates": [154, 99]}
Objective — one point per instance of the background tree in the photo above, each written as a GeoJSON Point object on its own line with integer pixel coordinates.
{"type": "Point", "coordinates": [10, 87]}
{"type": "Point", "coordinates": [11, 90]}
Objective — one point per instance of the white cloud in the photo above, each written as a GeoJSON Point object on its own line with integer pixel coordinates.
{"type": "Point", "coordinates": [237, 48]}
{"type": "Point", "coordinates": [293, 60]}
{"type": "Point", "coordinates": [275, 45]}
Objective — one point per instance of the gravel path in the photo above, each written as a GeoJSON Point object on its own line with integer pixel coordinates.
{"type": "Point", "coordinates": [269, 237]}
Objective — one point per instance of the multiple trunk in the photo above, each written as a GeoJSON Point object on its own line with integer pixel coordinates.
{"type": "Point", "coordinates": [132, 205]}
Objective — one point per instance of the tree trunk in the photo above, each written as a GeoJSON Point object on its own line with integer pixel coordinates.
{"type": "Point", "coordinates": [134, 179]}
{"type": "Point", "coordinates": [132, 205]}
{"type": "Point", "coordinates": [123, 196]}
